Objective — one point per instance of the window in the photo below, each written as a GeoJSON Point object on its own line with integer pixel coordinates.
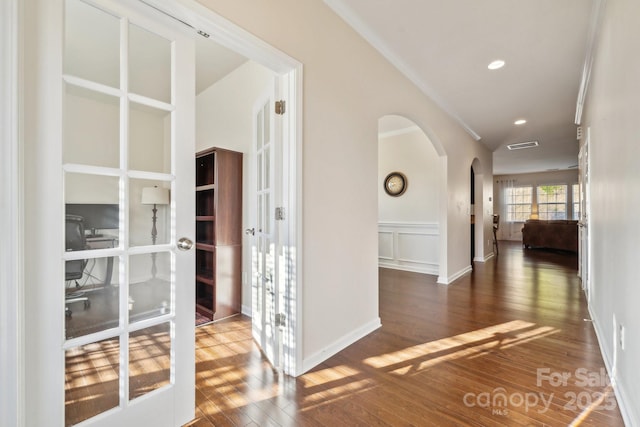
{"type": "Point", "coordinates": [576, 201]}
{"type": "Point", "coordinates": [552, 201]}
{"type": "Point", "coordinates": [518, 201]}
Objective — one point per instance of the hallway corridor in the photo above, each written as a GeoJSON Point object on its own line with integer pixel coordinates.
{"type": "Point", "coordinates": [506, 345]}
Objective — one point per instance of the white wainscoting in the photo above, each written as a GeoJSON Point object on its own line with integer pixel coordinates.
{"type": "Point", "coordinates": [409, 246]}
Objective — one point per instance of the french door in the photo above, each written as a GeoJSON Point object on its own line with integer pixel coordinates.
{"type": "Point", "coordinates": [583, 223]}
{"type": "Point", "coordinates": [263, 255]}
{"type": "Point", "coordinates": [267, 288]}
{"type": "Point", "coordinates": [109, 191]}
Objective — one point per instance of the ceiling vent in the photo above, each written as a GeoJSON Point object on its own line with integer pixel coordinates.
{"type": "Point", "coordinates": [522, 145]}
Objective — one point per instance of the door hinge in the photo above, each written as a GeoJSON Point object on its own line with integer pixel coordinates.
{"type": "Point", "coordinates": [281, 107]}
{"type": "Point", "coordinates": [279, 214]}
{"type": "Point", "coordinates": [281, 319]}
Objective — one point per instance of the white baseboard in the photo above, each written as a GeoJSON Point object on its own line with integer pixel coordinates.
{"type": "Point", "coordinates": [485, 258]}
{"type": "Point", "coordinates": [623, 399]}
{"type": "Point", "coordinates": [455, 276]}
{"type": "Point", "coordinates": [424, 269]}
{"type": "Point", "coordinates": [339, 345]}
{"type": "Point", "coordinates": [246, 310]}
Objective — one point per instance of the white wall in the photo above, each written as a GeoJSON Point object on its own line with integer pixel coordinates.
{"type": "Point", "coordinates": [224, 118]}
{"type": "Point", "coordinates": [347, 87]}
{"type": "Point", "coordinates": [408, 237]}
{"type": "Point", "coordinates": [611, 114]}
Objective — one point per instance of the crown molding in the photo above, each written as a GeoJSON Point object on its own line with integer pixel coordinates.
{"type": "Point", "coordinates": [352, 19]}
{"type": "Point", "coordinates": [597, 11]}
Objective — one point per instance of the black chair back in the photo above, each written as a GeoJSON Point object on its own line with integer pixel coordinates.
{"type": "Point", "coordinates": [75, 241]}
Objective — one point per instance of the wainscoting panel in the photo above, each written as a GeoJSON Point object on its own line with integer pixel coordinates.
{"type": "Point", "coordinates": [409, 246]}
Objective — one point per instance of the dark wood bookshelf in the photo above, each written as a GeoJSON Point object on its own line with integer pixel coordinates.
{"type": "Point", "coordinates": [218, 233]}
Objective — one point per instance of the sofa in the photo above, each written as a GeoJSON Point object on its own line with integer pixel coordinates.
{"type": "Point", "coordinates": [551, 234]}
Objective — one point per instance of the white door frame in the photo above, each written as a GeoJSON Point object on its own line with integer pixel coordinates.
{"type": "Point", "coordinates": [12, 402]}
{"type": "Point", "coordinates": [241, 41]}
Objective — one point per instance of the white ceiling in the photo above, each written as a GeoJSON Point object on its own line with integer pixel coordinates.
{"type": "Point", "coordinates": [445, 47]}
{"type": "Point", "coordinates": [213, 62]}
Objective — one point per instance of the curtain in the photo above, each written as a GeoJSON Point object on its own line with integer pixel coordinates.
{"type": "Point", "coordinates": [506, 227]}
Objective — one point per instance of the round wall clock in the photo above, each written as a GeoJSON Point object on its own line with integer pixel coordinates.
{"type": "Point", "coordinates": [395, 184]}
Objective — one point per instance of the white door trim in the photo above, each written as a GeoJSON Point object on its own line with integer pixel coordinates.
{"type": "Point", "coordinates": [11, 208]}
{"type": "Point", "coordinates": [241, 41]}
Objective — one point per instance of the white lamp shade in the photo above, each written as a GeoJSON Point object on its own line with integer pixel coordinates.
{"type": "Point", "coordinates": [155, 196]}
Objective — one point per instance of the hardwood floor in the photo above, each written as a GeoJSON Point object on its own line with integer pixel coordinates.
{"type": "Point", "coordinates": [488, 350]}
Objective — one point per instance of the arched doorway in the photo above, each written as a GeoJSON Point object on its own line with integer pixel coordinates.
{"type": "Point", "coordinates": [409, 223]}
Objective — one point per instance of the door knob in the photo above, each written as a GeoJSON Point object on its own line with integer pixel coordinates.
{"type": "Point", "coordinates": [250, 231]}
{"type": "Point", "coordinates": [184, 244]}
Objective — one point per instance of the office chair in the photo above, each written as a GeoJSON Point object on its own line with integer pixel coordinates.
{"type": "Point", "coordinates": [74, 270]}
{"type": "Point", "coordinates": [496, 226]}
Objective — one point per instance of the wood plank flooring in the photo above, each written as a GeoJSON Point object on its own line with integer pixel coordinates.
{"type": "Point", "coordinates": [489, 350]}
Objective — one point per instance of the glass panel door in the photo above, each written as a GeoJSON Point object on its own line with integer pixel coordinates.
{"type": "Point", "coordinates": [264, 284]}
{"type": "Point", "coordinates": [122, 110]}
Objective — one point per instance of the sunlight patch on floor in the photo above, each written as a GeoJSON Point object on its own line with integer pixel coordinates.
{"type": "Point", "coordinates": [413, 359]}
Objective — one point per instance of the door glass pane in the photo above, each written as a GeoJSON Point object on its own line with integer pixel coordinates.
{"type": "Point", "coordinates": [260, 213]}
{"type": "Point", "coordinates": [92, 222]}
{"type": "Point", "coordinates": [267, 212]}
{"type": "Point", "coordinates": [91, 128]}
{"type": "Point", "coordinates": [91, 296]}
{"type": "Point", "coordinates": [267, 167]}
{"type": "Point", "coordinates": [149, 139]}
{"type": "Point", "coordinates": [259, 171]}
{"type": "Point", "coordinates": [267, 122]}
{"type": "Point", "coordinates": [91, 189]}
{"type": "Point", "coordinates": [149, 285]}
{"type": "Point", "coordinates": [259, 134]}
{"type": "Point", "coordinates": [149, 359]}
{"type": "Point", "coordinates": [91, 44]}
{"type": "Point", "coordinates": [149, 64]}
{"type": "Point", "coordinates": [145, 196]}
{"type": "Point", "coordinates": [91, 380]}
{"type": "Point", "coordinates": [94, 199]}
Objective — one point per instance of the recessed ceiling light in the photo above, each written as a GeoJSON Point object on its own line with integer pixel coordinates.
{"type": "Point", "coordinates": [498, 63]}
{"type": "Point", "coordinates": [520, 122]}
{"type": "Point", "coordinates": [522, 145]}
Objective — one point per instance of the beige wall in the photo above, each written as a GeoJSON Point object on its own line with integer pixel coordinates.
{"type": "Point", "coordinates": [611, 117]}
{"type": "Point", "coordinates": [414, 155]}
{"type": "Point", "coordinates": [347, 87]}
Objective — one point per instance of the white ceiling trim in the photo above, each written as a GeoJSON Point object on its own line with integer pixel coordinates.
{"type": "Point", "coordinates": [347, 14]}
{"type": "Point", "coordinates": [594, 29]}
{"type": "Point", "coordinates": [227, 34]}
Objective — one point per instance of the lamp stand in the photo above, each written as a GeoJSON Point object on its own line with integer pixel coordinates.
{"type": "Point", "coordinates": [154, 236]}
{"type": "Point", "coordinates": [154, 230]}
